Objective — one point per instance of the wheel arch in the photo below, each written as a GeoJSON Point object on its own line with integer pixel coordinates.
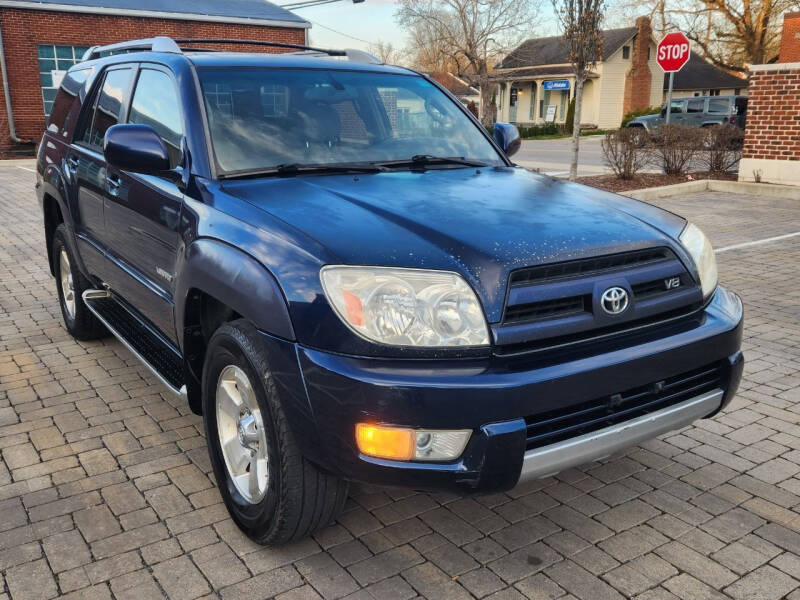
{"type": "Point", "coordinates": [219, 283]}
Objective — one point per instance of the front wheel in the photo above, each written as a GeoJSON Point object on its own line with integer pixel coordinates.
{"type": "Point", "coordinates": [271, 491]}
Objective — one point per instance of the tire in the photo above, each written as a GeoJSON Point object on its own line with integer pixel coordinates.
{"type": "Point", "coordinates": [79, 321]}
{"type": "Point", "coordinates": [294, 498]}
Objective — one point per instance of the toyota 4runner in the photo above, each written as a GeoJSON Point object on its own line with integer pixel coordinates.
{"type": "Point", "coordinates": [343, 272]}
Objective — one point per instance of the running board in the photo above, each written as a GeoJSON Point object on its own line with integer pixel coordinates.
{"type": "Point", "coordinates": [145, 344]}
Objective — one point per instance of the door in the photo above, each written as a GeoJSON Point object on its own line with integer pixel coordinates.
{"type": "Point", "coordinates": [512, 107]}
{"type": "Point", "coordinates": [142, 212]}
{"type": "Point", "coordinates": [86, 165]}
{"type": "Point", "coordinates": [677, 111]}
{"type": "Point", "coordinates": [695, 111]}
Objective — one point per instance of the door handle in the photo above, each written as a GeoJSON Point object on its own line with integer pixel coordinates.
{"type": "Point", "coordinates": [113, 183]}
{"type": "Point", "coordinates": [73, 162]}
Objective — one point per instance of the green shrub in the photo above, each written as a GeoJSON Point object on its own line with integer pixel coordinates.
{"type": "Point", "coordinates": [537, 130]}
{"type": "Point", "coordinates": [640, 112]}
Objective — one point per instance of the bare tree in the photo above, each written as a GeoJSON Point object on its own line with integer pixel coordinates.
{"type": "Point", "coordinates": [733, 34]}
{"type": "Point", "coordinates": [581, 22]}
{"type": "Point", "coordinates": [386, 52]}
{"type": "Point", "coordinates": [470, 34]}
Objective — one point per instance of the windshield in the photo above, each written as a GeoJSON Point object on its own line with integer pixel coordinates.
{"type": "Point", "coordinates": [262, 118]}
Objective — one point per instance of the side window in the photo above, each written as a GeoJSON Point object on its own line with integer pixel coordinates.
{"type": "Point", "coordinates": [718, 105]}
{"type": "Point", "coordinates": [67, 104]}
{"type": "Point", "coordinates": [677, 106]}
{"type": "Point", "coordinates": [155, 103]}
{"type": "Point", "coordinates": [695, 106]}
{"type": "Point", "coordinates": [108, 110]}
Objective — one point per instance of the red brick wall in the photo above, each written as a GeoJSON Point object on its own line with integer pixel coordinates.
{"type": "Point", "coordinates": [773, 113]}
{"type": "Point", "coordinates": [639, 77]}
{"type": "Point", "coordinates": [24, 29]}
{"type": "Point", "coordinates": [790, 40]}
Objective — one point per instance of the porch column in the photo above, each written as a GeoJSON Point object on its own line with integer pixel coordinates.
{"type": "Point", "coordinates": [507, 100]}
{"type": "Point", "coordinates": [539, 91]}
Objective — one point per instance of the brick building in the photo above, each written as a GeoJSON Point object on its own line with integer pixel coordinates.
{"type": "Point", "coordinates": [790, 40]}
{"type": "Point", "coordinates": [41, 39]}
{"type": "Point", "coordinates": [772, 137]}
{"type": "Point", "coordinates": [771, 150]}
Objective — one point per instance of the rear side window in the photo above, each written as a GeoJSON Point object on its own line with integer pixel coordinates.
{"type": "Point", "coordinates": [695, 106]}
{"type": "Point", "coordinates": [719, 105]}
{"type": "Point", "coordinates": [155, 103]}
{"type": "Point", "coordinates": [109, 107]}
{"type": "Point", "coordinates": [67, 104]}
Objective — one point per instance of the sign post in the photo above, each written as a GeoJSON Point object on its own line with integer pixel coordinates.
{"type": "Point", "coordinates": [672, 54]}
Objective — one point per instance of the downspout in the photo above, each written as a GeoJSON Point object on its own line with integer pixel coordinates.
{"type": "Point", "coordinates": [9, 111]}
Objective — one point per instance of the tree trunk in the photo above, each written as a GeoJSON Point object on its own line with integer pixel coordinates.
{"type": "Point", "coordinates": [576, 128]}
{"type": "Point", "coordinates": [486, 110]}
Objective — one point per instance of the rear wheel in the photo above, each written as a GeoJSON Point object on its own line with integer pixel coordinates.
{"type": "Point", "coordinates": [71, 284]}
{"type": "Point", "coordinates": [272, 492]}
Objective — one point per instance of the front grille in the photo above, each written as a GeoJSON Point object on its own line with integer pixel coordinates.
{"type": "Point", "coordinates": [558, 425]}
{"type": "Point", "coordinates": [588, 266]}
{"type": "Point", "coordinates": [548, 309]}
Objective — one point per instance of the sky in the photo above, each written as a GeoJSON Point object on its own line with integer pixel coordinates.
{"type": "Point", "coordinates": [347, 25]}
{"type": "Point", "coordinates": [355, 25]}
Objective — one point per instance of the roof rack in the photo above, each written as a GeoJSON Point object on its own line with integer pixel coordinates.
{"type": "Point", "coordinates": [167, 44]}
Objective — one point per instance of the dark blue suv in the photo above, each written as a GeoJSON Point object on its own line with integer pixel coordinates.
{"type": "Point", "coordinates": [342, 271]}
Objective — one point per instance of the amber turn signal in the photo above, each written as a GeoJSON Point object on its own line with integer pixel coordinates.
{"type": "Point", "coordinates": [394, 443]}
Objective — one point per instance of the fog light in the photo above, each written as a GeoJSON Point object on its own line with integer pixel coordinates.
{"type": "Point", "coordinates": [440, 445]}
{"type": "Point", "coordinates": [399, 443]}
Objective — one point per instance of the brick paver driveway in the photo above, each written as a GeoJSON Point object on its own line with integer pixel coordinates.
{"type": "Point", "coordinates": [105, 487]}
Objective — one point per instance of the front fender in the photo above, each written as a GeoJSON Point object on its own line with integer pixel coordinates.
{"type": "Point", "coordinates": [237, 280]}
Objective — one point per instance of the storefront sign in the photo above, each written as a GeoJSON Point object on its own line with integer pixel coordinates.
{"type": "Point", "coordinates": [550, 116]}
{"type": "Point", "coordinates": [557, 84]}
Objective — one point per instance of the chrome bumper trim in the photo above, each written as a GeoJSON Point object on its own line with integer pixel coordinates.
{"type": "Point", "coordinates": [549, 460]}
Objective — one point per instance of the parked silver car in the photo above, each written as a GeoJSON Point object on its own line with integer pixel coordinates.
{"type": "Point", "coordinates": [698, 111]}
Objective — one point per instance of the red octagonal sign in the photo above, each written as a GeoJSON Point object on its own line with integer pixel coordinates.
{"type": "Point", "coordinates": [673, 52]}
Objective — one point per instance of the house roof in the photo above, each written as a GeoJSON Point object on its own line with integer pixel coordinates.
{"type": "Point", "coordinates": [554, 51]}
{"type": "Point", "coordinates": [240, 11]}
{"type": "Point", "coordinates": [699, 74]}
{"type": "Point", "coordinates": [456, 85]}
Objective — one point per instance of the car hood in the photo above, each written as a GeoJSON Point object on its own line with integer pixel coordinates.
{"type": "Point", "coordinates": [482, 223]}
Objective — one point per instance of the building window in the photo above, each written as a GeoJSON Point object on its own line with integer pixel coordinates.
{"type": "Point", "coordinates": [626, 52]}
{"type": "Point", "coordinates": [737, 91]}
{"type": "Point", "coordinates": [53, 63]}
{"type": "Point", "coordinates": [713, 93]}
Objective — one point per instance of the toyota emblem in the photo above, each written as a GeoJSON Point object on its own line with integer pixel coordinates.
{"type": "Point", "coordinates": [614, 300]}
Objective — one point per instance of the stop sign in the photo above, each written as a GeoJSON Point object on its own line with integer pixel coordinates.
{"type": "Point", "coordinates": [673, 52]}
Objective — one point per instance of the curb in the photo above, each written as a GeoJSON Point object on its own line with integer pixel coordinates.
{"type": "Point", "coordinates": [765, 190]}
{"type": "Point", "coordinates": [18, 162]}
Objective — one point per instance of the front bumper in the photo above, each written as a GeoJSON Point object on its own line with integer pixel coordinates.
{"type": "Point", "coordinates": [494, 397]}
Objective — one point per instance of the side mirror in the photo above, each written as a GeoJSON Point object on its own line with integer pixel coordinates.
{"type": "Point", "coordinates": [507, 137]}
{"type": "Point", "coordinates": [136, 148]}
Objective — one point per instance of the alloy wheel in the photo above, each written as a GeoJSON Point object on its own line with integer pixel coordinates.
{"type": "Point", "coordinates": [241, 434]}
{"type": "Point", "coordinates": [67, 283]}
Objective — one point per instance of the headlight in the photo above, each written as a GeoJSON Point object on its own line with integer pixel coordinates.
{"type": "Point", "coordinates": [406, 307]}
{"type": "Point", "coordinates": [698, 246]}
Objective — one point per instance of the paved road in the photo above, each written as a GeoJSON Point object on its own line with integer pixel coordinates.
{"type": "Point", "coordinates": [106, 488]}
{"type": "Point", "coordinates": [554, 156]}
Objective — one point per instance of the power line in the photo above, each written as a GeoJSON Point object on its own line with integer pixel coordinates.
{"type": "Point", "coordinates": [341, 33]}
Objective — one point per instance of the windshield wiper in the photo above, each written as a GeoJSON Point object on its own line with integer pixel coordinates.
{"type": "Point", "coordinates": [420, 161]}
{"type": "Point", "coordinates": [291, 169]}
